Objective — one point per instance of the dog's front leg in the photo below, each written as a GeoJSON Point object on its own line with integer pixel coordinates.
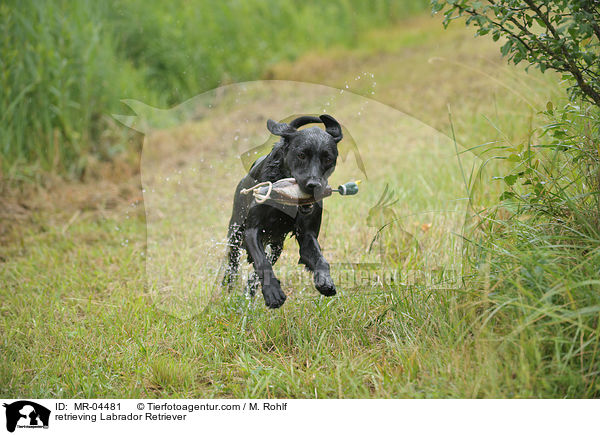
{"type": "Point", "coordinates": [307, 231]}
{"type": "Point", "coordinates": [312, 258]}
{"type": "Point", "coordinates": [271, 289]}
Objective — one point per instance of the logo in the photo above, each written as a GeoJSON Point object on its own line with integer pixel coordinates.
{"type": "Point", "coordinates": [26, 414]}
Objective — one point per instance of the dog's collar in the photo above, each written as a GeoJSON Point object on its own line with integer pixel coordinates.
{"type": "Point", "coordinates": [305, 209]}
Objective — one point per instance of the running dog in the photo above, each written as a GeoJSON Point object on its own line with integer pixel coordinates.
{"type": "Point", "coordinates": [308, 155]}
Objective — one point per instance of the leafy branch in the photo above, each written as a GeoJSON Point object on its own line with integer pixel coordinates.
{"type": "Point", "coordinates": [560, 35]}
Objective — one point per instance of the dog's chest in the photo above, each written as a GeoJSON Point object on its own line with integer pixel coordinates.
{"type": "Point", "coordinates": [274, 222]}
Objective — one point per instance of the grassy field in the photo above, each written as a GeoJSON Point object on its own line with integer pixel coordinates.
{"type": "Point", "coordinates": [71, 63]}
{"type": "Point", "coordinates": [84, 311]}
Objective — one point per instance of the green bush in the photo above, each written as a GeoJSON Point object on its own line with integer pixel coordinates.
{"type": "Point", "coordinates": [561, 35]}
{"type": "Point", "coordinates": [559, 177]}
{"type": "Point", "coordinates": [535, 251]}
{"type": "Point", "coordinates": [538, 264]}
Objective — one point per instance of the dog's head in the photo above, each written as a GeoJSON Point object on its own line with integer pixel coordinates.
{"type": "Point", "coordinates": [310, 154]}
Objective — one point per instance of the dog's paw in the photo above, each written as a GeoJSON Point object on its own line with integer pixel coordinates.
{"type": "Point", "coordinates": [274, 296]}
{"type": "Point", "coordinates": [324, 283]}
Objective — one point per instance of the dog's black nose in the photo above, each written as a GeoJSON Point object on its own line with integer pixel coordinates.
{"type": "Point", "coordinates": [312, 185]}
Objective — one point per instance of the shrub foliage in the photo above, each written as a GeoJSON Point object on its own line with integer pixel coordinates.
{"type": "Point", "coordinates": [561, 35]}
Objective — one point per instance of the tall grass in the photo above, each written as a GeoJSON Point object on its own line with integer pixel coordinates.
{"type": "Point", "coordinates": [538, 260]}
{"type": "Point", "coordinates": [65, 65]}
{"type": "Point", "coordinates": [58, 75]}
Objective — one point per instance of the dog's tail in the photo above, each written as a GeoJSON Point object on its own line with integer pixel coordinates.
{"type": "Point", "coordinates": [303, 120]}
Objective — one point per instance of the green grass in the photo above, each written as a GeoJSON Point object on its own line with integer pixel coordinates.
{"type": "Point", "coordinates": [542, 297]}
{"type": "Point", "coordinates": [65, 66]}
{"type": "Point", "coordinates": [78, 322]}
{"type": "Point", "coordinates": [79, 318]}
{"type": "Point", "coordinates": [537, 253]}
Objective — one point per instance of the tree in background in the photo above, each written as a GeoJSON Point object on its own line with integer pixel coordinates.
{"type": "Point", "coordinates": [560, 35]}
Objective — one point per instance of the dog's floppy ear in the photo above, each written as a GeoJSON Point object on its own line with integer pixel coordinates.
{"type": "Point", "coordinates": [281, 129]}
{"type": "Point", "coordinates": [332, 127]}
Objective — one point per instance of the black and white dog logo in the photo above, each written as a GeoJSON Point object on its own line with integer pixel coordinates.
{"type": "Point", "coordinates": [26, 414]}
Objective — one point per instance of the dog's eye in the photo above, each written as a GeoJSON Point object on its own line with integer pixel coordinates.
{"type": "Point", "coordinates": [301, 155]}
{"type": "Point", "coordinates": [328, 161]}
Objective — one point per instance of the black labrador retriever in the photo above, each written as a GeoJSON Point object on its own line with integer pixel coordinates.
{"type": "Point", "coordinates": [308, 155]}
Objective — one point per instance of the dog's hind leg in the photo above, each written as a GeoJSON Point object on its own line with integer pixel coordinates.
{"type": "Point", "coordinates": [234, 243]}
{"type": "Point", "coordinates": [276, 248]}
{"type": "Point", "coordinates": [253, 284]}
